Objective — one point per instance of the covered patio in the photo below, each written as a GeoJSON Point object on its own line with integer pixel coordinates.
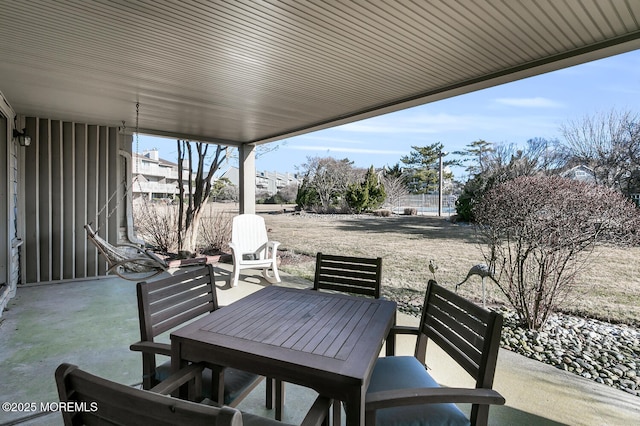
{"type": "Point", "coordinates": [92, 323]}
{"type": "Point", "coordinates": [78, 79]}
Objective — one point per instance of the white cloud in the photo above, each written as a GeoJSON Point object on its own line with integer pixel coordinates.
{"type": "Point", "coordinates": [331, 139]}
{"type": "Point", "coordinates": [537, 102]}
{"type": "Point", "coordinates": [421, 123]}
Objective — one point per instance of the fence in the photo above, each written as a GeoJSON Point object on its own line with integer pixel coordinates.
{"type": "Point", "coordinates": [425, 204]}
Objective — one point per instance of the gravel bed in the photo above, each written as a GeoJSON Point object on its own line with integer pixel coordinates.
{"type": "Point", "coordinates": [596, 350]}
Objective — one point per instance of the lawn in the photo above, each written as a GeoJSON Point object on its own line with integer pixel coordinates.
{"type": "Point", "coordinates": [609, 289]}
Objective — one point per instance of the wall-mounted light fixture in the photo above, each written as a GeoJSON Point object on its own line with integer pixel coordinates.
{"type": "Point", "coordinates": [23, 139]}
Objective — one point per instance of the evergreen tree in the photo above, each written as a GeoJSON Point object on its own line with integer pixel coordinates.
{"type": "Point", "coordinates": [367, 195]}
{"type": "Point", "coordinates": [424, 164]}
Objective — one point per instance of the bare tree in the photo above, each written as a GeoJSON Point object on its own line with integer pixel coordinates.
{"type": "Point", "coordinates": [509, 161]}
{"type": "Point", "coordinates": [539, 232]}
{"type": "Point", "coordinates": [396, 188]}
{"type": "Point", "coordinates": [201, 167]}
{"type": "Point", "coordinates": [329, 178]}
{"type": "Point", "coordinates": [609, 143]}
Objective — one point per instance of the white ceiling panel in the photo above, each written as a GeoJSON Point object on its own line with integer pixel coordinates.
{"type": "Point", "coordinates": [257, 71]}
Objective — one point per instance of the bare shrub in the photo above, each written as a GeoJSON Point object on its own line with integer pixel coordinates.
{"type": "Point", "coordinates": [410, 211]}
{"type": "Point", "coordinates": [215, 231]}
{"type": "Point", "coordinates": [395, 188]}
{"type": "Point", "coordinates": [539, 232]}
{"type": "Point", "coordinates": [382, 213]}
{"type": "Point", "coordinates": [157, 225]}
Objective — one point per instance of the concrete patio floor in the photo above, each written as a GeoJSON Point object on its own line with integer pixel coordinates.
{"type": "Point", "coordinates": [92, 323]}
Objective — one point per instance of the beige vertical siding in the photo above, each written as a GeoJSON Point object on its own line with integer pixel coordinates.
{"type": "Point", "coordinates": [73, 176]}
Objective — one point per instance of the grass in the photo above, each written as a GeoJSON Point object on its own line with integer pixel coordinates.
{"type": "Point", "coordinates": [609, 289]}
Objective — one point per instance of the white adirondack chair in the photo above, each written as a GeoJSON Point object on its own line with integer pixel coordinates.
{"type": "Point", "coordinates": [252, 249]}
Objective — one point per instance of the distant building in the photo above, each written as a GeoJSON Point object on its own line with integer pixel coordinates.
{"type": "Point", "coordinates": [155, 178]}
{"type": "Point", "coordinates": [270, 182]}
{"type": "Point", "coordinates": [581, 173]}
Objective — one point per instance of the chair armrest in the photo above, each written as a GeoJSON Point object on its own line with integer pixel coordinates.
{"type": "Point", "coordinates": [272, 249]}
{"type": "Point", "coordinates": [236, 252]}
{"type": "Point", "coordinates": [152, 347]}
{"type": "Point", "coordinates": [391, 337]}
{"type": "Point", "coordinates": [401, 397]}
{"type": "Point", "coordinates": [318, 412]}
{"type": "Point", "coordinates": [401, 329]}
{"type": "Point", "coordinates": [179, 378]}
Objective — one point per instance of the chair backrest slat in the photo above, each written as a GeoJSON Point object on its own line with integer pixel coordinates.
{"type": "Point", "coordinates": [249, 232]}
{"type": "Point", "coordinates": [465, 331]}
{"type": "Point", "coordinates": [178, 315]}
{"type": "Point", "coordinates": [169, 302]}
{"type": "Point", "coordinates": [348, 274]}
{"type": "Point", "coordinates": [108, 402]}
{"type": "Point", "coordinates": [186, 285]}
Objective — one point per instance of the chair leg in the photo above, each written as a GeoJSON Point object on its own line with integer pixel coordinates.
{"type": "Point", "coordinates": [269, 383]}
{"type": "Point", "coordinates": [269, 277]}
{"type": "Point", "coordinates": [218, 382]}
{"type": "Point", "coordinates": [337, 412]}
{"type": "Point", "coordinates": [236, 275]}
{"type": "Point", "coordinates": [276, 275]}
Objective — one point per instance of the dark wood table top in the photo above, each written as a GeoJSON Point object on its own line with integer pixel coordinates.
{"type": "Point", "coordinates": [328, 342]}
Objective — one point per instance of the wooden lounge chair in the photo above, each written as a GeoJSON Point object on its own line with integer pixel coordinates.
{"type": "Point", "coordinates": [170, 302]}
{"type": "Point", "coordinates": [401, 390]}
{"type": "Point", "coordinates": [101, 402]}
{"type": "Point", "coordinates": [252, 249]}
{"type": "Point", "coordinates": [355, 275]}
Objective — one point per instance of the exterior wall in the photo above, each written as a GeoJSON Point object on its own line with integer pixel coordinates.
{"type": "Point", "coordinates": [9, 176]}
{"type": "Point", "coordinates": [76, 174]}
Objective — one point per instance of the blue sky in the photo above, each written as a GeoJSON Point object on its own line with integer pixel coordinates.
{"type": "Point", "coordinates": [510, 113]}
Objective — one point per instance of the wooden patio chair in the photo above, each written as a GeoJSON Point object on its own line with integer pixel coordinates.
{"type": "Point", "coordinates": [401, 390]}
{"type": "Point", "coordinates": [170, 302]}
{"type": "Point", "coordinates": [252, 249]}
{"type": "Point", "coordinates": [347, 274]}
{"type": "Point", "coordinates": [105, 402]}
{"type": "Point", "coordinates": [360, 276]}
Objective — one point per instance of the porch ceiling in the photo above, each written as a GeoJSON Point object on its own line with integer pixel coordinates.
{"type": "Point", "coordinates": [257, 71]}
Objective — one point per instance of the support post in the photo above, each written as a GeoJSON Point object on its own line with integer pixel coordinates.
{"type": "Point", "coordinates": [247, 160]}
{"type": "Point", "coordinates": [440, 155]}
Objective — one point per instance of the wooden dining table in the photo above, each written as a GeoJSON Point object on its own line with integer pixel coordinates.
{"type": "Point", "coordinates": [325, 341]}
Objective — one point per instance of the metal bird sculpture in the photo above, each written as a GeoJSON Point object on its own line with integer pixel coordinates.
{"type": "Point", "coordinates": [483, 271]}
{"type": "Point", "coordinates": [433, 267]}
